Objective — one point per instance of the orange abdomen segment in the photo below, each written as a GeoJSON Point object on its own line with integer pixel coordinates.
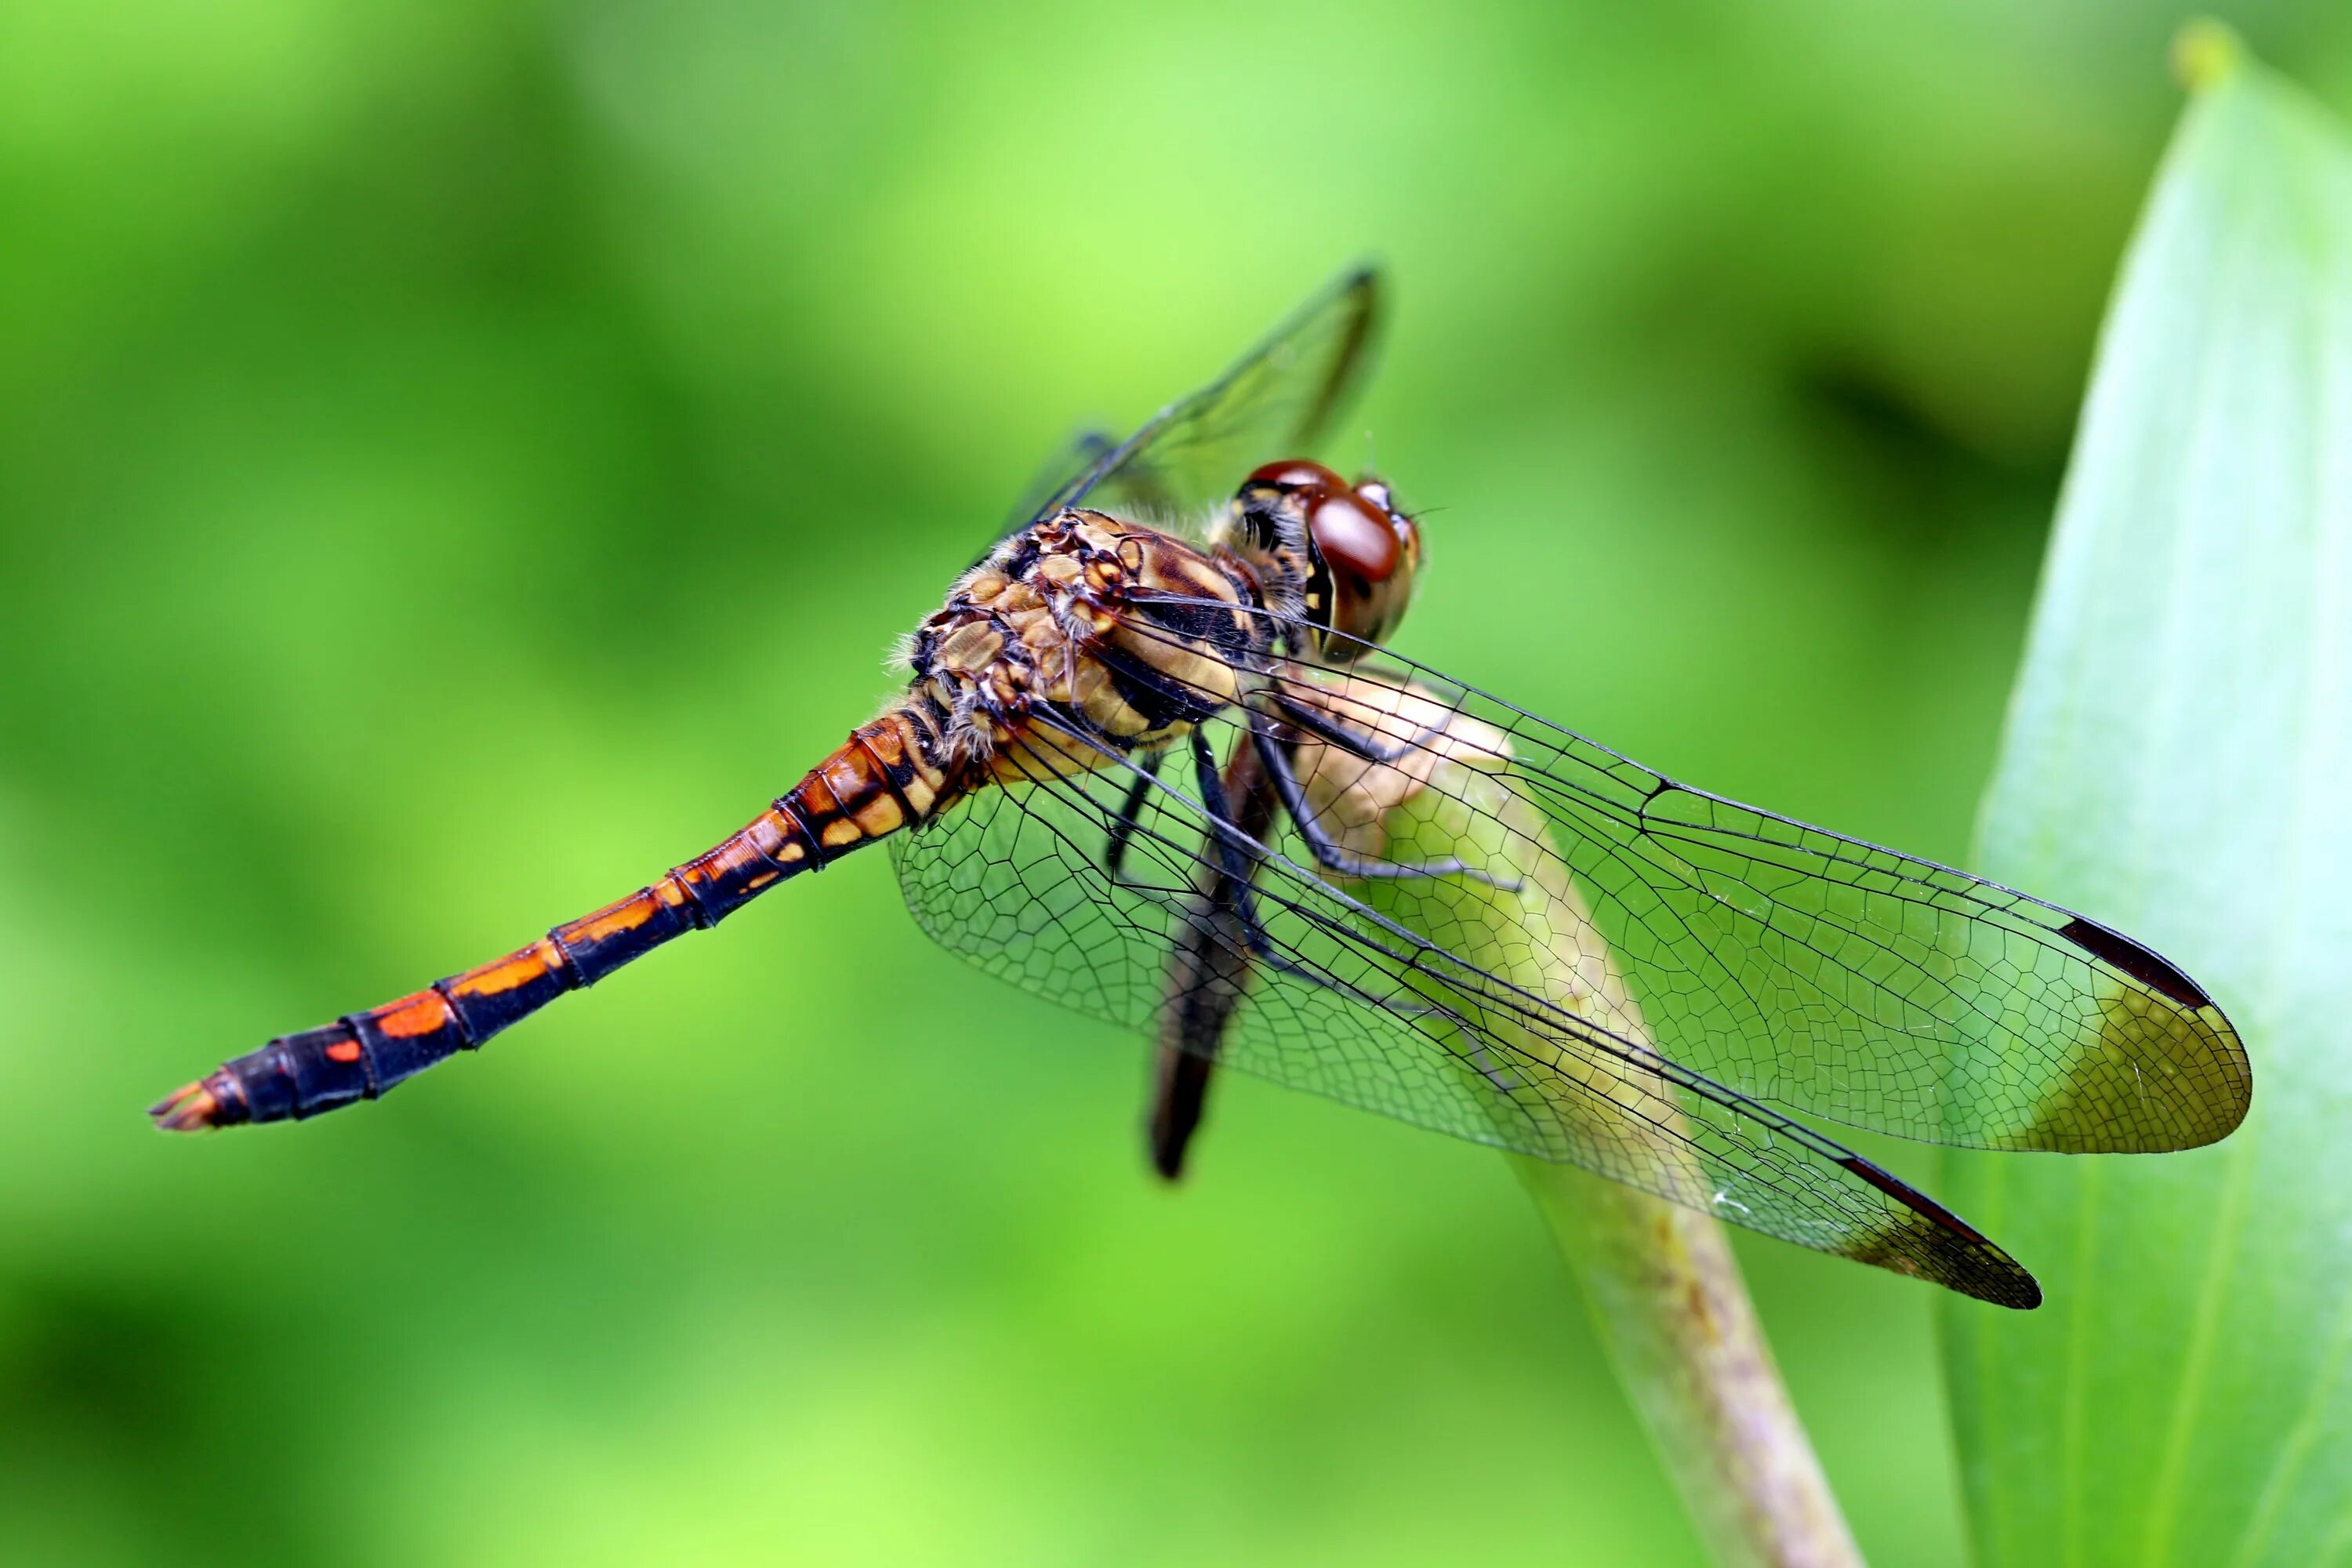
{"type": "Point", "coordinates": [885, 777]}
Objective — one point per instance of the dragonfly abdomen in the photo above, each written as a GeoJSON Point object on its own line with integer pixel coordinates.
{"type": "Point", "coordinates": [888, 774]}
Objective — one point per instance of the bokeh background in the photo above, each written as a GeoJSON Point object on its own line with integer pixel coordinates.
{"type": "Point", "coordinates": [457, 460]}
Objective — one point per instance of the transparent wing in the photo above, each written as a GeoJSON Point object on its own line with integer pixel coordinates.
{"type": "Point", "coordinates": [1276, 402]}
{"type": "Point", "coordinates": [1054, 478]}
{"type": "Point", "coordinates": [1838, 978]}
{"type": "Point", "coordinates": [1328, 986]}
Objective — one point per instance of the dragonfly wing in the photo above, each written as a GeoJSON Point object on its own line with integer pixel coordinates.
{"type": "Point", "coordinates": [1817, 972]}
{"type": "Point", "coordinates": [1341, 999]}
{"type": "Point", "coordinates": [1080, 456]}
{"type": "Point", "coordinates": [1277, 401]}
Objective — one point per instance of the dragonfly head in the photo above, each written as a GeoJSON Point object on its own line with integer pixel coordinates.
{"type": "Point", "coordinates": [1358, 553]}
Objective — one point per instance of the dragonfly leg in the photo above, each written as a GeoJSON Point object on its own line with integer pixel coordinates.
{"type": "Point", "coordinates": [1236, 895]}
{"type": "Point", "coordinates": [1236, 848]}
{"type": "Point", "coordinates": [1210, 971]}
{"type": "Point", "coordinates": [1232, 858]}
{"type": "Point", "coordinates": [1131, 812]}
{"type": "Point", "coordinates": [1219, 943]}
{"type": "Point", "coordinates": [1354, 741]}
{"type": "Point", "coordinates": [1327, 851]}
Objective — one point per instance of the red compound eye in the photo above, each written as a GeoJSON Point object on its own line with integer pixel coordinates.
{"type": "Point", "coordinates": [1359, 544]}
{"type": "Point", "coordinates": [1352, 533]}
{"type": "Point", "coordinates": [1370, 551]}
{"type": "Point", "coordinates": [1296, 474]}
{"type": "Point", "coordinates": [1365, 550]}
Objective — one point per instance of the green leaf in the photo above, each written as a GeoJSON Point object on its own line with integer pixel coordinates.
{"type": "Point", "coordinates": [2179, 764]}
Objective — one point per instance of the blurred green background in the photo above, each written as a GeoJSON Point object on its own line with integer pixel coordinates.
{"type": "Point", "coordinates": [456, 462]}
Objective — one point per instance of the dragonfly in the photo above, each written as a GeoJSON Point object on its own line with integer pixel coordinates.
{"type": "Point", "coordinates": [1151, 762]}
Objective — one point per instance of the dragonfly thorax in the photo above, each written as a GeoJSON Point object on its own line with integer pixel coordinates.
{"type": "Point", "coordinates": [1130, 632]}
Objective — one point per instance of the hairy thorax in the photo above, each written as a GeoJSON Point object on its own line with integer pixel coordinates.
{"type": "Point", "coordinates": [1082, 621]}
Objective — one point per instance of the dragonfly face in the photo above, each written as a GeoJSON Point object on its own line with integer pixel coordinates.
{"type": "Point", "coordinates": [1346, 551]}
{"type": "Point", "coordinates": [1177, 785]}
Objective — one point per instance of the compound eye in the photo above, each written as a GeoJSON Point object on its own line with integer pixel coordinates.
{"type": "Point", "coordinates": [1296, 474]}
{"type": "Point", "coordinates": [1370, 553]}
{"type": "Point", "coordinates": [1275, 499]}
{"type": "Point", "coordinates": [1357, 544]}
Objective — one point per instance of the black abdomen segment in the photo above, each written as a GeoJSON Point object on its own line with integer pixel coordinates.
{"type": "Point", "coordinates": [876, 783]}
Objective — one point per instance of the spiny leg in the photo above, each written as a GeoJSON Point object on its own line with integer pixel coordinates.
{"type": "Point", "coordinates": [1327, 851]}
{"type": "Point", "coordinates": [1131, 812]}
{"type": "Point", "coordinates": [1221, 939]}
{"type": "Point", "coordinates": [1354, 741]}
{"type": "Point", "coordinates": [1237, 849]}
{"type": "Point", "coordinates": [1233, 854]}
{"type": "Point", "coordinates": [1236, 855]}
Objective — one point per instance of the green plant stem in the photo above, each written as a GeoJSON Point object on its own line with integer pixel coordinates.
{"type": "Point", "coordinates": [1668, 1301]}
{"type": "Point", "coordinates": [1663, 1287]}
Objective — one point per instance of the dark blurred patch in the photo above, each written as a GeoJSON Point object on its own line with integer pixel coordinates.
{"type": "Point", "coordinates": [123, 1371]}
{"type": "Point", "coordinates": [150, 1396]}
{"type": "Point", "coordinates": [1875, 413]}
{"type": "Point", "coordinates": [1928, 489]}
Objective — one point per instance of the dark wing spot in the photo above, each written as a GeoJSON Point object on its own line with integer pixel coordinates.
{"type": "Point", "coordinates": [1928, 1240]}
{"type": "Point", "coordinates": [2135, 961]}
{"type": "Point", "coordinates": [1911, 1197]}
